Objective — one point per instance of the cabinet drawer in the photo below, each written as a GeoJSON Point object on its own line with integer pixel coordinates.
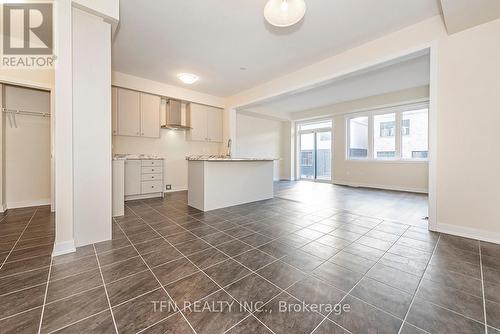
{"type": "Point", "coordinates": [148, 187]}
{"type": "Point", "coordinates": [152, 163]}
{"type": "Point", "coordinates": [152, 177]}
{"type": "Point", "coordinates": [152, 170]}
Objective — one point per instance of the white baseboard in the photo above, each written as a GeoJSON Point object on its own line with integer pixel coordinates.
{"type": "Point", "coordinates": [135, 197]}
{"type": "Point", "coordinates": [62, 248]}
{"type": "Point", "coordinates": [3, 208]}
{"type": "Point", "coordinates": [468, 232]}
{"type": "Point", "coordinates": [380, 186]}
{"type": "Point", "coordinates": [176, 189]}
{"type": "Point", "coordinates": [25, 204]}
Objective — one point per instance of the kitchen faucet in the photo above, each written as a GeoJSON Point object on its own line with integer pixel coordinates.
{"type": "Point", "coordinates": [228, 153]}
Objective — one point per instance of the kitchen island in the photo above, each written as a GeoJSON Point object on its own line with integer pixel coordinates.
{"type": "Point", "coordinates": [215, 182]}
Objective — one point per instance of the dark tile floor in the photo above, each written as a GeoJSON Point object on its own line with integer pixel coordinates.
{"type": "Point", "coordinates": [246, 269]}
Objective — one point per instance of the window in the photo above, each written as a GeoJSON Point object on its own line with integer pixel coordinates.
{"type": "Point", "coordinates": [415, 144]}
{"type": "Point", "coordinates": [405, 127]}
{"type": "Point", "coordinates": [384, 142]}
{"type": "Point", "coordinates": [358, 137]}
{"type": "Point", "coordinates": [398, 134]}
{"type": "Point", "coordinates": [315, 126]}
{"type": "Point", "coordinates": [386, 154]}
{"type": "Point", "coordinates": [306, 158]}
{"type": "Point", "coordinates": [419, 154]}
{"type": "Point", "coordinates": [387, 129]}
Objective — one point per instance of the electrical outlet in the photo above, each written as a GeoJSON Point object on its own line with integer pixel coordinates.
{"type": "Point", "coordinates": [168, 186]}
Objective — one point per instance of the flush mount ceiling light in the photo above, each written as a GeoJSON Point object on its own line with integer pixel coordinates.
{"type": "Point", "coordinates": [284, 13]}
{"type": "Point", "coordinates": [188, 78]}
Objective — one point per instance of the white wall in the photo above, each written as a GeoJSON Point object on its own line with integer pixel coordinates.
{"type": "Point", "coordinates": [465, 101]}
{"type": "Point", "coordinates": [109, 9]}
{"type": "Point", "coordinates": [27, 149]}
{"type": "Point", "coordinates": [63, 128]}
{"type": "Point", "coordinates": [91, 128]}
{"type": "Point", "coordinates": [468, 116]}
{"type": "Point", "coordinates": [258, 137]}
{"type": "Point", "coordinates": [396, 175]}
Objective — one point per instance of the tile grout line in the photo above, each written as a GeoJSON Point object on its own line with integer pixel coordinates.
{"type": "Point", "coordinates": [105, 289]}
{"type": "Point", "coordinates": [359, 281]}
{"type": "Point", "coordinates": [303, 272]}
{"type": "Point", "coordinates": [299, 228]}
{"type": "Point", "coordinates": [45, 298]}
{"type": "Point", "coordinates": [418, 286]}
{"type": "Point", "coordinates": [159, 282]}
{"type": "Point", "coordinates": [310, 241]}
{"type": "Point", "coordinates": [279, 259]}
{"type": "Point", "coordinates": [14, 246]}
{"type": "Point", "coordinates": [76, 322]}
{"type": "Point", "coordinates": [220, 287]}
{"type": "Point", "coordinates": [482, 288]}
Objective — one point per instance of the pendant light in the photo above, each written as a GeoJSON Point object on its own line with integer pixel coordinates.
{"type": "Point", "coordinates": [284, 13]}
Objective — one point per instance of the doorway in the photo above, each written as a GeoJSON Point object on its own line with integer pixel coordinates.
{"type": "Point", "coordinates": [315, 151]}
{"type": "Point", "coordinates": [26, 147]}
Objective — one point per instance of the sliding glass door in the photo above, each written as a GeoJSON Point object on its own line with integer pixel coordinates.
{"type": "Point", "coordinates": [324, 155]}
{"type": "Point", "coordinates": [315, 151]}
{"type": "Point", "coordinates": [307, 156]}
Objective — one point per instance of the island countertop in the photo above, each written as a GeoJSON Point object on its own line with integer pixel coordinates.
{"type": "Point", "coordinates": [225, 159]}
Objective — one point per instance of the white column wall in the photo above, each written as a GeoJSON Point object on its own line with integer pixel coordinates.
{"type": "Point", "coordinates": [63, 132]}
{"type": "Point", "coordinates": [91, 128]}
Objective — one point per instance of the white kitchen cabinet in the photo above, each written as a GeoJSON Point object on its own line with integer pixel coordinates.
{"type": "Point", "coordinates": [133, 176]}
{"type": "Point", "coordinates": [214, 125]}
{"type": "Point", "coordinates": [143, 178]}
{"type": "Point", "coordinates": [150, 115]}
{"type": "Point", "coordinates": [114, 110]}
{"type": "Point", "coordinates": [205, 123]}
{"type": "Point", "coordinates": [137, 114]}
{"type": "Point", "coordinates": [129, 112]}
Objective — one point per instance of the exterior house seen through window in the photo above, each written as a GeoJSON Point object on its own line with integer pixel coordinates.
{"type": "Point", "coordinates": [394, 135]}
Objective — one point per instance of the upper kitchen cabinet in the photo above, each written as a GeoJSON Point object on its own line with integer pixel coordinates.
{"type": "Point", "coordinates": [137, 114]}
{"type": "Point", "coordinates": [129, 112]}
{"type": "Point", "coordinates": [206, 123]}
{"type": "Point", "coordinates": [150, 115]}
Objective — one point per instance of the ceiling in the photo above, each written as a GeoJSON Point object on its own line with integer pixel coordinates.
{"type": "Point", "coordinates": [463, 14]}
{"type": "Point", "coordinates": [405, 73]}
{"type": "Point", "coordinates": [215, 39]}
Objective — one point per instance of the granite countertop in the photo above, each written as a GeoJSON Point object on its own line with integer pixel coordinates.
{"type": "Point", "coordinates": [223, 158]}
{"type": "Point", "coordinates": [136, 157]}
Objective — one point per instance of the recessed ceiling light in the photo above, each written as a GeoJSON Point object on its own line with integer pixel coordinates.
{"type": "Point", "coordinates": [188, 78]}
{"type": "Point", "coordinates": [284, 13]}
{"type": "Point", "coordinates": [243, 68]}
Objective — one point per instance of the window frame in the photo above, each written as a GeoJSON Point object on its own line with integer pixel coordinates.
{"type": "Point", "coordinates": [398, 111]}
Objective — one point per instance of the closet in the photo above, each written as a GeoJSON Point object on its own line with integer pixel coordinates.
{"type": "Point", "coordinates": [26, 147]}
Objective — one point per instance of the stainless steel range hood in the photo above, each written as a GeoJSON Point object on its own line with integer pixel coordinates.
{"type": "Point", "coordinates": [175, 119]}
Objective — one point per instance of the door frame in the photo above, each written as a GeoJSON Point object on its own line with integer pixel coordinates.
{"type": "Point", "coordinates": [298, 133]}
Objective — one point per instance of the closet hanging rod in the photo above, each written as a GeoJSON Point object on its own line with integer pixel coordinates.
{"type": "Point", "coordinates": [25, 112]}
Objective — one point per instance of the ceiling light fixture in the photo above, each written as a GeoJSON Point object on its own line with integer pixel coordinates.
{"type": "Point", "coordinates": [284, 13]}
{"type": "Point", "coordinates": [188, 78]}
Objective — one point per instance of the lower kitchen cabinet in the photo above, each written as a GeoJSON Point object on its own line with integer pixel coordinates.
{"type": "Point", "coordinates": [143, 178]}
